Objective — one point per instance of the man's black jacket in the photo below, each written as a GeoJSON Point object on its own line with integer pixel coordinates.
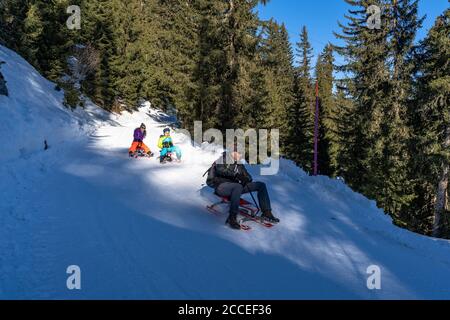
{"type": "Point", "coordinates": [228, 170]}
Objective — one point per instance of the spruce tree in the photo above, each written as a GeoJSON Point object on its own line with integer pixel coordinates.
{"type": "Point", "coordinates": [240, 44]}
{"type": "Point", "coordinates": [327, 140]}
{"type": "Point", "coordinates": [377, 138]}
{"type": "Point", "coordinates": [33, 29]}
{"type": "Point", "coordinates": [170, 50]}
{"type": "Point", "coordinates": [301, 114]}
{"type": "Point", "coordinates": [277, 59]}
{"type": "Point", "coordinates": [366, 84]}
{"type": "Point", "coordinates": [227, 72]}
{"type": "Point", "coordinates": [345, 112]}
{"type": "Point", "coordinates": [100, 25]}
{"type": "Point", "coordinates": [12, 17]}
{"type": "Point", "coordinates": [396, 192]}
{"type": "Point", "coordinates": [432, 106]}
{"type": "Point", "coordinates": [204, 96]}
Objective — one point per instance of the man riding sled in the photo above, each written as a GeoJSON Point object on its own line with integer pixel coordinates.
{"type": "Point", "coordinates": [230, 179]}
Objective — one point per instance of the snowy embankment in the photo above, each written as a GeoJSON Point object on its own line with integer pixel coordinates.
{"type": "Point", "coordinates": [138, 229]}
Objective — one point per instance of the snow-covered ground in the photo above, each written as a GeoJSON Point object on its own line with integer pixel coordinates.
{"type": "Point", "coordinates": [138, 229]}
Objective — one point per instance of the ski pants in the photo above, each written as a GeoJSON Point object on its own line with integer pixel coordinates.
{"type": "Point", "coordinates": [175, 149]}
{"type": "Point", "coordinates": [138, 145]}
{"type": "Point", "coordinates": [235, 190]}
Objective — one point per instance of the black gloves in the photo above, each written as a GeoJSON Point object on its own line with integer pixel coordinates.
{"type": "Point", "coordinates": [243, 179]}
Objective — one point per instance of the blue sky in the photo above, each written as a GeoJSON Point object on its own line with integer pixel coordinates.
{"type": "Point", "coordinates": [321, 16]}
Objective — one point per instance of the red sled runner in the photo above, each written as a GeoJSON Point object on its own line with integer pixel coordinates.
{"type": "Point", "coordinates": [246, 210]}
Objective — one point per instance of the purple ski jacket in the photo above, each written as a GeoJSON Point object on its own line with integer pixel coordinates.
{"type": "Point", "coordinates": [139, 136]}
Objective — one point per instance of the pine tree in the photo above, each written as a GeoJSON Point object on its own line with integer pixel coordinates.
{"type": "Point", "coordinates": [100, 23]}
{"type": "Point", "coordinates": [42, 36]}
{"type": "Point", "coordinates": [204, 96]}
{"type": "Point", "coordinates": [365, 51]}
{"type": "Point", "coordinates": [432, 105]}
{"type": "Point", "coordinates": [58, 40]}
{"type": "Point", "coordinates": [227, 73]}
{"type": "Point", "coordinates": [12, 16]}
{"type": "Point", "coordinates": [396, 193]}
{"type": "Point", "coordinates": [328, 129]}
{"type": "Point", "coordinates": [301, 114]}
{"type": "Point", "coordinates": [170, 52]}
{"type": "Point", "coordinates": [277, 59]}
{"type": "Point", "coordinates": [345, 117]}
{"type": "Point", "coordinates": [304, 56]}
{"type": "Point", "coordinates": [240, 43]}
{"type": "Point", "coordinates": [252, 96]}
{"type": "Point", "coordinates": [377, 138]}
{"type": "Point", "coordinates": [33, 28]}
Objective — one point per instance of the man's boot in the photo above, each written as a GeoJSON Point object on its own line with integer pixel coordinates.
{"type": "Point", "coordinates": [232, 221]}
{"type": "Point", "coordinates": [269, 217]}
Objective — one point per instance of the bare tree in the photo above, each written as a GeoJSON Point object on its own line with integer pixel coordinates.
{"type": "Point", "coordinates": [87, 59]}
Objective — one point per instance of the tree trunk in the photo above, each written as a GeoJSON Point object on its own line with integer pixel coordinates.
{"type": "Point", "coordinates": [441, 201]}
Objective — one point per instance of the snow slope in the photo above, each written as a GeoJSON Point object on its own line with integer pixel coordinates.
{"type": "Point", "coordinates": [138, 229]}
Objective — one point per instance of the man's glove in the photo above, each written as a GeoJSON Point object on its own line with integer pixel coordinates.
{"type": "Point", "coordinates": [243, 179]}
